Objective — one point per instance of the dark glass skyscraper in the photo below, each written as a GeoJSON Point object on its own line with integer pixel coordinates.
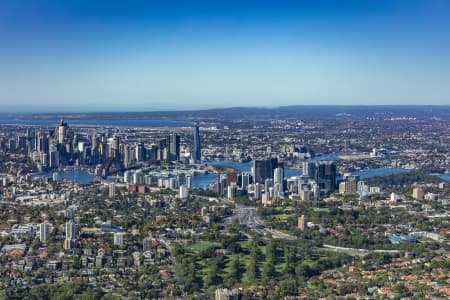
{"type": "Point", "coordinates": [263, 169]}
{"type": "Point", "coordinates": [326, 175]}
{"type": "Point", "coordinates": [197, 155]}
{"type": "Point", "coordinates": [174, 147]}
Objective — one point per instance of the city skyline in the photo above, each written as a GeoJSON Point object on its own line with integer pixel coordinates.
{"type": "Point", "coordinates": [114, 56]}
{"type": "Point", "coordinates": [295, 202]}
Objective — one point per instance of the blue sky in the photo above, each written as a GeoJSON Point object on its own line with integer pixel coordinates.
{"type": "Point", "coordinates": [155, 55]}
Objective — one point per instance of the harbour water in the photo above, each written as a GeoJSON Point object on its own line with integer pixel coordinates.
{"type": "Point", "coordinates": [75, 175]}
{"type": "Point", "coordinates": [379, 172]}
{"type": "Point", "coordinates": [53, 122]}
{"type": "Point", "coordinates": [203, 181]}
{"type": "Point", "coordinates": [445, 176]}
{"type": "Point", "coordinates": [206, 180]}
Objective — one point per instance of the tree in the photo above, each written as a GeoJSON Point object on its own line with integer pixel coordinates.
{"type": "Point", "coordinates": [252, 267]}
{"type": "Point", "coordinates": [289, 259]}
{"type": "Point", "coordinates": [234, 276]}
{"type": "Point", "coordinates": [288, 287]}
{"type": "Point", "coordinates": [269, 265]}
{"type": "Point", "coordinates": [212, 278]}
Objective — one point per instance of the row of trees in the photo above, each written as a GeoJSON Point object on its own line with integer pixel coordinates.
{"type": "Point", "coordinates": [269, 263]}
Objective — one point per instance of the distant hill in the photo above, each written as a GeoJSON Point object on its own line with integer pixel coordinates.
{"type": "Point", "coordinates": [262, 113]}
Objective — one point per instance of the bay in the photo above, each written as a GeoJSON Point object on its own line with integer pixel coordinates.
{"type": "Point", "coordinates": [206, 180]}
{"type": "Point", "coordinates": [53, 122]}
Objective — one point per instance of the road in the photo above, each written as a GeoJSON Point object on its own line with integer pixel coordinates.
{"type": "Point", "coordinates": [248, 217]}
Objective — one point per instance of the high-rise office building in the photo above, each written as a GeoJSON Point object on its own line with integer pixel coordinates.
{"type": "Point", "coordinates": [231, 177]}
{"type": "Point", "coordinates": [189, 181]}
{"type": "Point", "coordinates": [268, 186]}
{"type": "Point", "coordinates": [326, 176]}
{"type": "Point", "coordinates": [69, 244]}
{"type": "Point", "coordinates": [94, 142]}
{"type": "Point", "coordinates": [118, 238]}
{"type": "Point", "coordinates": [140, 152]}
{"type": "Point", "coordinates": [70, 230]}
{"type": "Point", "coordinates": [263, 169]}
{"type": "Point", "coordinates": [349, 185]}
{"type": "Point", "coordinates": [127, 156]}
{"type": "Point", "coordinates": [418, 193]}
{"type": "Point", "coordinates": [278, 182]}
{"type": "Point", "coordinates": [44, 231]}
{"type": "Point", "coordinates": [245, 180]}
{"type": "Point", "coordinates": [112, 190]}
{"type": "Point", "coordinates": [302, 222]}
{"type": "Point", "coordinates": [152, 152]}
{"type": "Point", "coordinates": [278, 175]}
{"type": "Point", "coordinates": [183, 192]}
{"type": "Point", "coordinates": [162, 149]}
{"type": "Point", "coordinates": [174, 147]}
{"type": "Point", "coordinates": [62, 131]}
{"type": "Point", "coordinates": [113, 147]}
{"type": "Point", "coordinates": [221, 184]}
{"type": "Point", "coordinates": [308, 169]}
{"type": "Point", "coordinates": [197, 155]}
{"type": "Point", "coordinates": [231, 191]}
{"type": "Point", "coordinates": [258, 191]}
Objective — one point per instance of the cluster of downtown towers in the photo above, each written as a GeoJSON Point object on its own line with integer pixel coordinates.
{"type": "Point", "coordinates": [266, 181]}
{"type": "Point", "coordinates": [63, 146]}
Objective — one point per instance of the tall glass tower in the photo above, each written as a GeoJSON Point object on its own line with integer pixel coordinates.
{"type": "Point", "coordinates": [197, 155]}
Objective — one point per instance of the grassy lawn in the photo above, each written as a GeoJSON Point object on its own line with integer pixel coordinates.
{"type": "Point", "coordinates": [197, 247]}
{"type": "Point", "coordinates": [204, 265]}
{"type": "Point", "coordinates": [318, 209]}
{"type": "Point", "coordinates": [282, 217]}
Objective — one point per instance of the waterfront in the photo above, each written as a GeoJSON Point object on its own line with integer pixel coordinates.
{"type": "Point", "coordinates": [445, 176]}
{"type": "Point", "coordinates": [206, 180]}
{"type": "Point", "coordinates": [79, 176]}
{"type": "Point", "coordinates": [378, 172]}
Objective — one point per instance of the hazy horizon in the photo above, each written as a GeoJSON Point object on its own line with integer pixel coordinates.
{"type": "Point", "coordinates": [51, 111]}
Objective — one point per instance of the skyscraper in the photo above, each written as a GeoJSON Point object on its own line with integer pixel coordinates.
{"type": "Point", "coordinates": [112, 190]}
{"type": "Point", "coordinates": [231, 177]}
{"type": "Point", "coordinates": [231, 191]}
{"type": "Point", "coordinates": [94, 142]}
{"type": "Point", "coordinates": [308, 169]}
{"type": "Point", "coordinates": [278, 180]}
{"type": "Point", "coordinates": [62, 131]}
{"type": "Point", "coordinates": [54, 159]}
{"type": "Point", "coordinates": [174, 147]}
{"type": "Point", "coordinates": [127, 155]}
{"type": "Point", "coordinates": [245, 180]}
{"type": "Point", "coordinates": [326, 176]}
{"type": "Point", "coordinates": [278, 175]}
{"type": "Point", "coordinates": [183, 192]}
{"type": "Point", "coordinates": [263, 169]}
{"type": "Point", "coordinates": [189, 182]}
{"type": "Point", "coordinates": [118, 238]}
{"type": "Point", "coordinates": [197, 155]}
{"type": "Point", "coordinates": [221, 184]}
{"type": "Point", "coordinates": [113, 146]}
{"type": "Point", "coordinates": [70, 230]}
{"type": "Point", "coordinates": [44, 231]}
{"type": "Point", "coordinates": [140, 152]}
{"type": "Point", "coordinates": [302, 222]}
